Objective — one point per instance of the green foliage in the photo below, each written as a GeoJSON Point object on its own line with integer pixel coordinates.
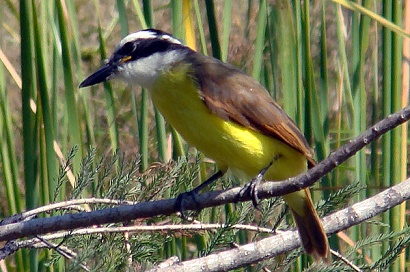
{"type": "Point", "coordinates": [392, 253]}
{"type": "Point", "coordinates": [340, 199]}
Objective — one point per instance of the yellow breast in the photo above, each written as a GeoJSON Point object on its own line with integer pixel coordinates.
{"type": "Point", "coordinates": [239, 148]}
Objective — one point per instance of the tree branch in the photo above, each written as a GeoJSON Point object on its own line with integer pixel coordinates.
{"type": "Point", "coordinates": [39, 242]}
{"type": "Point", "coordinates": [37, 226]}
{"type": "Point", "coordinates": [289, 240]}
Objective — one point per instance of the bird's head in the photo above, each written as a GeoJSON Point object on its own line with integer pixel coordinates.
{"type": "Point", "coordinates": [139, 58]}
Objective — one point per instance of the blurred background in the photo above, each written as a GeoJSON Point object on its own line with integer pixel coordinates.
{"type": "Point", "coordinates": [336, 67]}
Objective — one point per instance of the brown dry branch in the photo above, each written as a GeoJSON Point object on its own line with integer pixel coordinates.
{"type": "Point", "coordinates": [289, 240]}
{"type": "Point", "coordinates": [11, 229]}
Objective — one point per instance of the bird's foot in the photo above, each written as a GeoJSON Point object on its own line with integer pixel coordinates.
{"type": "Point", "coordinates": [183, 199]}
{"type": "Point", "coordinates": [251, 189]}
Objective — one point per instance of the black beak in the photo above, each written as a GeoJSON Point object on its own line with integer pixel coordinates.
{"type": "Point", "coordinates": [105, 73]}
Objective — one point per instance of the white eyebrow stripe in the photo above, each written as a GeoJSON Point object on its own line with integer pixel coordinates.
{"type": "Point", "coordinates": [171, 39]}
{"type": "Point", "coordinates": [147, 34]}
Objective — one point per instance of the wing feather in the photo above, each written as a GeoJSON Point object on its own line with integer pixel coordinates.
{"type": "Point", "coordinates": [247, 104]}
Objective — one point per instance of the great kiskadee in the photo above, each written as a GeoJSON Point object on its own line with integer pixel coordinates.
{"type": "Point", "coordinates": [224, 113]}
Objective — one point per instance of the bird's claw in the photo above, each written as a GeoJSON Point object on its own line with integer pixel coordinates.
{"type": "Point", "coordinates": [181, 201]}
{"type": "Point", "coordinates": [251, 189]}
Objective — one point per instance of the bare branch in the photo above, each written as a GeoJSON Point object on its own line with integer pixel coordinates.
{"type": "Point", "coordinates": [38, 241]}
{"type": "Point", "coordinates": [289, 240]}
{"type": "Point", "coordinates": [62, 205]}
{"type": "Point", "coordinates": [37, 226]}
{"type": "Point", "coordinates": [23, 225]}
{"type": "Point", "coordinates": [264, 249]}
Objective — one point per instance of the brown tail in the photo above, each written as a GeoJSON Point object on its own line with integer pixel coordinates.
{"type": "Point", "coordinates": [310, 228]}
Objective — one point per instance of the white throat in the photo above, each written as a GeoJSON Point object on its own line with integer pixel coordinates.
{"type": "Point", "coordinates": [145, 71]}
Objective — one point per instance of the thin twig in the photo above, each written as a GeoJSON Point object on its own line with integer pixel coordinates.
{"type": "Point", "coordinates": [346, 261]}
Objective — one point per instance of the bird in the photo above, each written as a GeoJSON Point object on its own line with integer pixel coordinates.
{"type": "Point", "coordinates": [223, 112]}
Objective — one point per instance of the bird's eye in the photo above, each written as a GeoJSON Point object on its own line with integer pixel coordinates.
{"type": "Point", "coordinates": [126, 49]}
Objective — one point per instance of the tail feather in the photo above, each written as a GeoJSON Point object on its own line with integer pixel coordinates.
{"type": "Point", "coordinates": [310, 228]}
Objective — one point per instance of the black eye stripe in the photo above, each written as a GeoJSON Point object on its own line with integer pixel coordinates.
{"type": "Point", "coordinates": [126, 49]}
{"type": "Point", "coordinates": [151, 46]}
{"type": "Point", "coordinates": [144, 48]}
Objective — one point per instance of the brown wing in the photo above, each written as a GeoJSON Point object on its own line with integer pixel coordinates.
{"type": "Point", "coordinates": [248, 104]}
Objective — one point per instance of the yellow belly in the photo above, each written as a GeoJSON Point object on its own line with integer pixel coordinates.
{"type": "Point", "coordinates": [243, 150]}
